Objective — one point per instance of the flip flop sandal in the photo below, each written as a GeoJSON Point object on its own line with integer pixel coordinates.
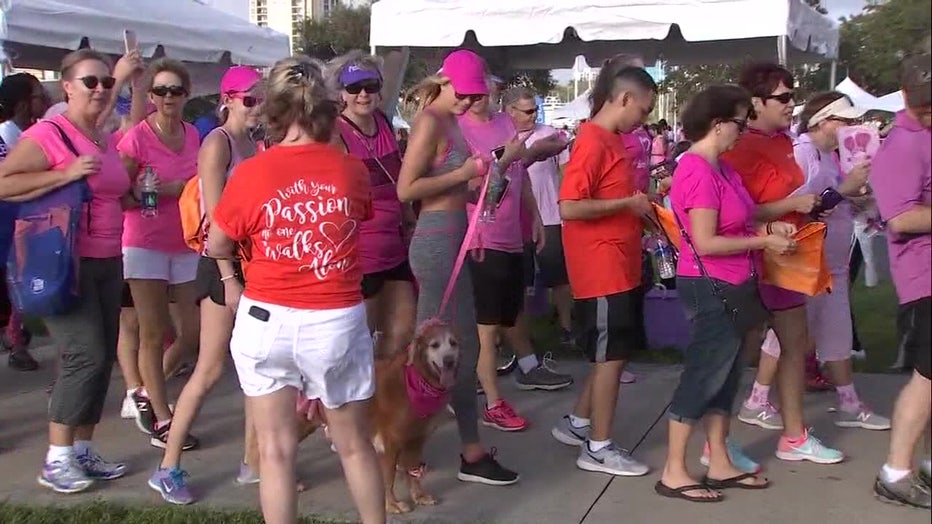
{"type": "Point", "coordinates": [735, 482]}
{"type": "Point", "coordinates": [680, 493]}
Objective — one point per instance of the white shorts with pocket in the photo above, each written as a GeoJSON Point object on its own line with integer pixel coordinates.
{"type": "Point", "coordinates": [149, 264]}
{"type": "Point", "coordinates": [324, 353]}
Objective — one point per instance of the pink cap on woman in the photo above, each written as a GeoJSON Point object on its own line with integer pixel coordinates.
{"type": "Point", "coordinates": [239, 79]}
{"type": "Point", "coordinates": [466, 71]}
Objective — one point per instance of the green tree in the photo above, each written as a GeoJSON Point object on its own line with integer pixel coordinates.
{"type": "Point", "coordinates": [540, 80]}
{"type": "Point", "coordinates": [346, 29]}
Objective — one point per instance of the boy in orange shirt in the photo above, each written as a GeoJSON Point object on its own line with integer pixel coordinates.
{"type": "Point", "coordinates": [601, 210]}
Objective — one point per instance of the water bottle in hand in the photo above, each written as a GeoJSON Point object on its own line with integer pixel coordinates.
{"type": "Point", "coordinates": [663, 257]}
{"type": "Point", "coordinates": [149, 193]}
{"type": "Point", "coordinates": [493, 193]}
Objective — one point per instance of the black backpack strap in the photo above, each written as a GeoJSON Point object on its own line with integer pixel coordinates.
{"type": "Point", "coordinates": [64, 138]}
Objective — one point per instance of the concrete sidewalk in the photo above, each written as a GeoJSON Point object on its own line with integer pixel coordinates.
{"type": "Point", "coordinates": [552, 489]}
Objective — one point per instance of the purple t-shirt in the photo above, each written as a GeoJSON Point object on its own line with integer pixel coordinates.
{"type": "Point", "coordinates": [822, 170]}
{"type": "Point", "coordinates": [697, 185]}
{"type": "Point", "coordinates": [902, 173]}
{"type": "Point", "coordinates": [503, 234]}
{"type": "Point", "coordinates": [381, 243]}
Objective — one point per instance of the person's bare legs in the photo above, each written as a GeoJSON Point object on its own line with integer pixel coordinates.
{"type": "Point", "coordinates": [216, 329]}
{"type": "Point", "coordinates": [174, 358]}
{"type": "Point", "coordinates": [583, 407]}
{"type": "Point", "coordinates": [250, 439]}
{"type": "Point", "coordinates": [185, 319]}
{"type": "Point", "coordinates": [675, 473]}
{"type": "Point", "coordinates": [563, 302]}
{"type": "Point", "coordinates": [276, 430]}
{"type": "Point", "coordinates": [792, 331]}
{"type": "Point", "coordinates": [349, 427]}
{"type": "Point", "coordinates": [128, 348]}
{"type": "Point", "coordinates": [911, 415]}
{"type": "Point", "coordinates": [487, 363]}
{"type": "Point", "coordinates": [397, 313]}
{"type": "Point", "coordinates": [151, 300]}
{"type": "Point", "coordinates": [717, 426]}
{"type": "Point", "coordinates": [519, 336]}
{"type": "Point", "coordinates": [604, 397]}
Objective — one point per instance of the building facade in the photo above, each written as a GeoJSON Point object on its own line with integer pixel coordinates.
{"type": "Point", "coordinates": [286, 16]}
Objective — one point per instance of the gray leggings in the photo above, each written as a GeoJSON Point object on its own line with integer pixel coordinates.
{"type": "Point", "coordinates": [436, 241]}
{"type": "Point", "coordinates": [87, 336]}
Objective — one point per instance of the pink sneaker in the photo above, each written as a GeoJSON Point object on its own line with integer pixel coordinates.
{"type": "Point", "coordinates": [502, 417]}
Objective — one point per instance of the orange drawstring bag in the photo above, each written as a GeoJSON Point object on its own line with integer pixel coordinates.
{"type": "Point", "coordinates": [806, 270]}
{"type": "Point", "coordinates": [667, 222]}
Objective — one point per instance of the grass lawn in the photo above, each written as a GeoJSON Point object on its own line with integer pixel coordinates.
{"type": "Point", "coordinates": [106, 513]}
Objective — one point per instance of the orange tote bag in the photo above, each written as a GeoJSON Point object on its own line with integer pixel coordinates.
{"type": "Point", "coordinates": [806, 270]}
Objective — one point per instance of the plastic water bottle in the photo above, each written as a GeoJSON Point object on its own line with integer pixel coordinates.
{"type": "Point", "coordinates": [663, 258]}
{"type": "Point", "coordinates": [492, 193]}
{"type": "Point", "coordinates": [150, 195]}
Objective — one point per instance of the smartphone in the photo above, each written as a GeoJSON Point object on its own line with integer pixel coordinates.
{"type": "Point", "coordinates": [130, 41]}
{"type": "Point", "coordinates": [828, 200]}
{"type": "Point", "coordinates": [258, 313]}
{"type": "Point", "coordinates": [498, 152]}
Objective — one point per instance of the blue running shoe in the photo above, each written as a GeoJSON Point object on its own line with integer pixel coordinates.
{"type": "Point", "coordinates": [171, 485]}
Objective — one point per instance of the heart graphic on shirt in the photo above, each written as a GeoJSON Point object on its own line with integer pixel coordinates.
{"type": "Point", "coordinates": [337, 235]}
{"type": "Point", "coordinates": [862, 140]}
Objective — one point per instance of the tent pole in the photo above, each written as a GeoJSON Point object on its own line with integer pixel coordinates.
{"type": "Point", "coordinates": [393, 72]}
{"type": "Point", "coordinates": [833, 75]}
{"type": "Point", "coordinates": [781, 50]}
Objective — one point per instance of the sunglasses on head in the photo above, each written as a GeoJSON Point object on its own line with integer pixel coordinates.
{"type": "Point", "coordinates": [741, 123]}
{"type": "Point", "coordinates": [527, 112]}
{"type": "Point", "coordinates": [248, 100]}
{"type": "Point", "coordinates": [370, 88]}
{"type": "Point", "coordinates": [161, 91]}
{"type": "Point", "coordinates": [471, 98]}
{"type": "Point", "coordinates": [783, 98]}
{"type": "Point", "coordinates": [91, 82]}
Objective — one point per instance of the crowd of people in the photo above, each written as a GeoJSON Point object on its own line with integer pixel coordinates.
{"type": "Point", "coordinates": [325, 247]}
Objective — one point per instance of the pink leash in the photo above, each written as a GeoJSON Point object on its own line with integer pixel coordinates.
{"type": "Point", "coordinates": [471, 231]}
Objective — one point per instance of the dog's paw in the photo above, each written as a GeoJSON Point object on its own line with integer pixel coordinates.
{"type": "Point", "coordinates": [424, 499]}
{"type": "Point", "coordinates": [396, 507]}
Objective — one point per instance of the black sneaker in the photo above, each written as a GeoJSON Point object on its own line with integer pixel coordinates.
{"type": "Point", "coordinates": [925, 478]}
{"type": "Point", "coordinates": [542, 378]}
{"type": "Point", "coordinates": [487, 471]}
{"type": "Point", "coordinates": [908, 491]}
{"type": "Point", "coordinates": [159, 439]}
{"type": "Point", "coordinates": [21, 360]}
{"type": "Point", "coordinates": [145, 417]}
{"type": "Point", "coordinates": [566, 339]}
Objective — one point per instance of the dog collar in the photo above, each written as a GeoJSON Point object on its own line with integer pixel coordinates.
{"type": "Point", "coordinates": [426, 399]}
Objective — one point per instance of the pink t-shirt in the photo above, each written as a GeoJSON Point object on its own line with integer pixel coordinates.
{"type": "Point", "coordinates": [545, 179]}
{"type": "Point", "coordinates": [697, 185]}
{"type": "Point", "coordinates": [99, 234]}
{"type": "Point", "coordinates": [504, 234]}
{"type": "Point", "coordinates": [162, 232]}
{"type": "Point", "coordinates": [381, 243]}
{"type": "Point", "coordinates": [637, 144]}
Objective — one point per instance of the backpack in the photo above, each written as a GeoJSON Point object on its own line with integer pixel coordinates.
{"type": "Point", "coordinates": [42, 266]}
{"type": "Point", "coordinates": [194, 220]}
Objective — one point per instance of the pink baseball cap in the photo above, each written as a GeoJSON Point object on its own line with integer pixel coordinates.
{"type": "Point", "coordinates": [239, 79]}
{"type": "Point", "coordinates": [466, 71]}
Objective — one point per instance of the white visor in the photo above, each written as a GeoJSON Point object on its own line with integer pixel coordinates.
{"type": "Point", "coordinates": [841, 108]}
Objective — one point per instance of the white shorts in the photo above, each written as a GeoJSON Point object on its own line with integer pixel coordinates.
{"type": "Point", "coordinates": [324, 353]}
{"type": "Point", "coordinates": [150, 264]}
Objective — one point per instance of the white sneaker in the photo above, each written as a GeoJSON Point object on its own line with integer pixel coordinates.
{"type": "Point", "coordinates": [128, 411]}
{"type": "Point", "coordinates": [611, 460]}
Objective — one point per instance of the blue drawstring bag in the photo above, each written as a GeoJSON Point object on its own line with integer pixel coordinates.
{"type": "Point", "coordinates": [42, 266]}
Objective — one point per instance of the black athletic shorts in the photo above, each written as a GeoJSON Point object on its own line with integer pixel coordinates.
{"type": "Point", "coordinates": [498, 287]}
{"type": "Point", "coordinates": [550, 260]}
{"type": "Point", "coordinates": [915, 334]}
{"type": "Point", "coordinates": [208, 281]}
{"type": "Point", "coordinates": [611, 327]}
{"type": "Point", "coordinates": [372, 283]}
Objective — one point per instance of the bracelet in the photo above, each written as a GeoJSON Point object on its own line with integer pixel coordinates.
{"type": "Point", "coordinates": [228, 277]}
{"type": "Point", "coordinates": [769, 228]}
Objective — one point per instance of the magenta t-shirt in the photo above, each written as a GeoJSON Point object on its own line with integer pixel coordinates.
{"type": "Point", "coordinates": [162, 232]}
{"type": "Point", "coordinates": [637, 144]}
{"type": "Point", "coordinates": [503, 234]}
{"type": "Point", "coordinates": [99, 234]}
{"type": "Point", "coordinates": [381, 243]}
{"type": "Point", "coordinates": [902, 174]}
{"type": "Point", "coordinates": [697, 185]}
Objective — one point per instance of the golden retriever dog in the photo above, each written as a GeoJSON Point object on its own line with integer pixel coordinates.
{"type": "Point", "coordinates": [411, 390]}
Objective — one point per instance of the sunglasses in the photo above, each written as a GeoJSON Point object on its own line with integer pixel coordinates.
{"type": "Point", "coordinates": [370, 88]}
{"type": "Point", "coordinates": [783, 98]}
{"type": "Point", "coordinates": [527, 112]}
{"type": "Point", "coordinates": [741, 123]}
{"type": "Point", "coordinates": [248, 100]}
{"type": "Point", "coordinates": [472, 98]}
{"type": "Point", "coordinates": [91, 82]}
{"type": "Point", "coordinates": [176, 91]}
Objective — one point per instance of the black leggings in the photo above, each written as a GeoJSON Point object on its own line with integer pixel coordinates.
{"type": "Point", "coordinates": [854, 267]}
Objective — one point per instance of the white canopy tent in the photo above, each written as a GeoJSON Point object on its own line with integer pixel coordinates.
{"type": "Point", "coordinates": [578, 109]}
{"type": "Point", "coordinates": [892, 102]}
{"type": "Point", "coordinates": [531, 34]}
{"type": "Point", "coordinates": [38, 33]}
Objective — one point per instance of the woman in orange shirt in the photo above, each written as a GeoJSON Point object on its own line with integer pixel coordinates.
{"type": "Point", "coordinates": [764, 159]}
{"type": "Point", "coordinates": [301, 322]}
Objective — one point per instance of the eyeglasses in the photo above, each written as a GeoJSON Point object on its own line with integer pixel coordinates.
{"type": "Point", "coordinates": [783, 98]}
{"type": "Point", "coordinates": [527, 112]}
{"type": "Point", "coordinates": [472, 98]}
{"type": "Point", "coordinates": [741, 123]}
{"type": "Point", "coordinates": [370, 88]}
{"type": "Point", "coordinates": [176, 91]}
{"type": "Point", "coordinates": [91, 82]}
{"type": "Point", "coordinates": [248, 100]}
